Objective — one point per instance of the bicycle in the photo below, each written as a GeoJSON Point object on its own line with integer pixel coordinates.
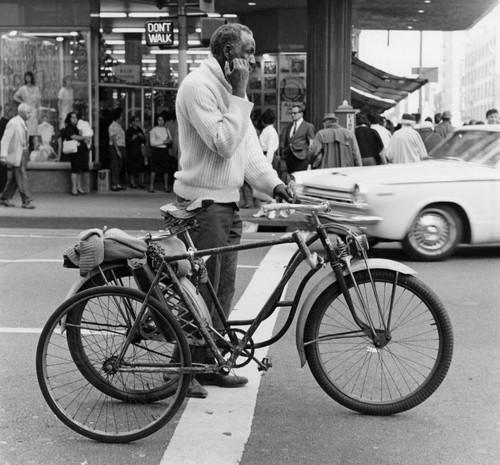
{"type": "Point", "coordinates": [376, 338]}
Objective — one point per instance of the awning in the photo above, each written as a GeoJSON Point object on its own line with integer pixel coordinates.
{"type": "Point", "coordinates": [376, 90]}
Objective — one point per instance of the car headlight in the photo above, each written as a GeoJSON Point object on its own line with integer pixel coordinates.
{"type": "Point", "coordinates": [360, 194]}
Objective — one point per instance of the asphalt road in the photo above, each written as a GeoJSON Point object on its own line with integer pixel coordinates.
{"type": "Point", "coordinates": [293, 421]}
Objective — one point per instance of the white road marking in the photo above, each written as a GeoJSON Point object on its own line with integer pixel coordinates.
{"type": "Point", "coordinates": [21, 330]}
{"type": "Point", "coordinates": [214, 430]}
{"type": "Point", "coordinates": [33, 260]}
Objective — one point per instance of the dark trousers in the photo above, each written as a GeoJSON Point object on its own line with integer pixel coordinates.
{"type": "Point", "coordinates": [17, 178]}
{"type": "Point", "coordinates": [219, 225]}
{"type": "Point", "coordinates": [116, 164]}
{"type": "Point", "coordinates": [295, 164]}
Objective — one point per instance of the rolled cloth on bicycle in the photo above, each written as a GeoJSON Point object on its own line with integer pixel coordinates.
{"type": "Point", "coordinates": [120, 245]}
{"type": "Point", "coordinates": [89, 252]}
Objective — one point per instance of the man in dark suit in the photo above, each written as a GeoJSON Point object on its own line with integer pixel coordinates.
{"type": "Point", "coordinates": [296, 138]}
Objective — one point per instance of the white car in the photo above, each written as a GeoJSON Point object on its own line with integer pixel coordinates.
{"type": "Point", "coordinates": [452, 197]}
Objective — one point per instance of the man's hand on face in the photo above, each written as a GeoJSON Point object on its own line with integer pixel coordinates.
{"type": "Point", "coordinates": [237, 73]}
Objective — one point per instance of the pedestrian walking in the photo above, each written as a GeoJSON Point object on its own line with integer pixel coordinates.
{"type": "Point", "coordinates": [429, 137]}
{"type": "Point", "coordinates": [377, 123]}
{"type": "Point", "coordinates": [334, 146]}
{"type": "Point", "coordinates": [406, 145]}
{"type": "Point", "coordinates": [444, 127]}
{"type": "Point", "coordinates": [14, 153]}
{"type": "Point", "coordinates": [369, 142]}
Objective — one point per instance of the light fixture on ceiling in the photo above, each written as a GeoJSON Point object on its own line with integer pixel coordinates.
{"type": "Point", "coordinates": [112, 14]}
{"type": "Point", "coordinates": [124, 30]}
{"type": "Point", "coordinates": [148, 14]}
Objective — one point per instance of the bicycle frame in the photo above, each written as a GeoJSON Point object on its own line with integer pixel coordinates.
{"type": "Point", "coordinates": [340, 268]}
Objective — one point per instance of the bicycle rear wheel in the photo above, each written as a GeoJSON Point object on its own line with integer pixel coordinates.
{"type": "Point", "coordinates": [396, 376]}
{"type": "Point", "coordinates": [85, 385]}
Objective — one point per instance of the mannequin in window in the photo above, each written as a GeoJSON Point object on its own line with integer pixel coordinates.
{"type": "Point", "coordinates": [30, 94]}
{"type": "Point", "coordinates": [65, 99]}
{"type": "Point", "coordinates": [46, 134]}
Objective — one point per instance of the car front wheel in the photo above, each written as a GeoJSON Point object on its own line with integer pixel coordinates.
{"type": "Point", "coordinates": [434, 234]}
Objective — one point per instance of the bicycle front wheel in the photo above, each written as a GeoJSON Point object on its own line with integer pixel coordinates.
{"type": "Point", "coordinates": [379, 378]}
{"type": "Point", "coordinates": [90, 386]}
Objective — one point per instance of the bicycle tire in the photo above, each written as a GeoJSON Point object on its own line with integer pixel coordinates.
{"type": "Point", "coordinates": [121, 275]}
{"type": "Point", "coordinates": [86, 404]}
{"type": "Point", "coordinates": [387, 380]}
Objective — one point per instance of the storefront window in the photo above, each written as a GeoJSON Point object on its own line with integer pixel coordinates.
{"type": "Point", "coordinates": [278, 82]}
{"type": "Point", "coordinates": [50, 72]}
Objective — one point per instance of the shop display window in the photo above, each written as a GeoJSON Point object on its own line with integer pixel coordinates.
{"type": "Point", "coordinates": [277, 82]}
{"type": "Point", "coordinates": [50, 72]}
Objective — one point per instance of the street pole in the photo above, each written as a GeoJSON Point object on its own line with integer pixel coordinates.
{"type": "Point", "coordinates": [183, 41]}
{"type": "Point", "coordinates": [420, 74]}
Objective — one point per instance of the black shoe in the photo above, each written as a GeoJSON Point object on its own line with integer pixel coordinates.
{"type": "Point", "coordinates": [81, 192]}
{"type": "Point", "coordinates": [28, 206]}
{"type": "Point", "coordinates": [115, 189]}
{"type": "Point", "coordinates": [218, 379]}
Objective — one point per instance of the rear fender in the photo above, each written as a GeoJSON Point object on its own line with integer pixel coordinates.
{"type": "Point", "coordinates": [359, 265]}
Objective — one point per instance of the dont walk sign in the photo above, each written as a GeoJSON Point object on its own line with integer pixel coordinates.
{"type": "Point", "coordinates": [160, 33]}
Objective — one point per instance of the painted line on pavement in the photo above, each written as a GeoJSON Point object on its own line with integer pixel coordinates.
{"type": "Point", "coordinates": [215, 430]}
{"type": "Point", "coordinates": [33, 260]}
{"type": "Point", "coordinates": [21, 330]}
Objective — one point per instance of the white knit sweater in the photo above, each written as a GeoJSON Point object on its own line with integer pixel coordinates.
{"type": "Point", "coordinates": [220, 148]}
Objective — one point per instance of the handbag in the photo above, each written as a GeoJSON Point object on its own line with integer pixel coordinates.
{"type": "Point", "coordinates": [70, 146]}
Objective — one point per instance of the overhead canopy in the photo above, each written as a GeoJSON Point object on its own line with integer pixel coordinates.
{"type": "Point", "coordinates": [374, 89]}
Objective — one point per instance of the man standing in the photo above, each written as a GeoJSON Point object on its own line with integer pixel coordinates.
{"type": "Point", "coordinates": [14, 153]}
{"type": "Point", "coordinates": [220, 150]}
{"type": "Point", "coordinates": [444, 127]}
{"type": "Point", "coordinates": [334, 146]}
{"type": "Point", "coordinates": [296, 139]}
{"type": "Point", "coordinates": [406, 145]}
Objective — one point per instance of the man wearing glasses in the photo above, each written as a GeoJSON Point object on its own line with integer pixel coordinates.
{"type": "Point", "coordinates": [296, 138]}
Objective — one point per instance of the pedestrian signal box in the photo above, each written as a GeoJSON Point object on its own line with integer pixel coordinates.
{"type": "Point", "coordinates": [160, 33]}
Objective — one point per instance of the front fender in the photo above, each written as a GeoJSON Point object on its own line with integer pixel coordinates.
{"type": "Point", "coordinates": [359, 265]}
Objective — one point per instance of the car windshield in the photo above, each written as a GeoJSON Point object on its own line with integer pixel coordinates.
{"type": "Point", "coordinates": [481, 147]}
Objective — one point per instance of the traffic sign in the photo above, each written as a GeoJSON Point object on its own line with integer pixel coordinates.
{"type": "Point", "coordinates": [160, 33]}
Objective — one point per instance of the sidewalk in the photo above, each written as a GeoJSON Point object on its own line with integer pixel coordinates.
{"type": "Point", "coordinates": [132, 209]}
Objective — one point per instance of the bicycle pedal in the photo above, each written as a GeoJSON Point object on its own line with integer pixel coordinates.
{"type": "Point", "coordinates": [265, 364]}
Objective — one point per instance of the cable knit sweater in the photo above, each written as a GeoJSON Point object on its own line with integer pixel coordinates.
{"type": "Point", "coordinates": [219, 145]}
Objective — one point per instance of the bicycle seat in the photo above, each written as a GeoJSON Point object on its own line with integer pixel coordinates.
{"type": "Point", "coordinates": [185, 210]}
